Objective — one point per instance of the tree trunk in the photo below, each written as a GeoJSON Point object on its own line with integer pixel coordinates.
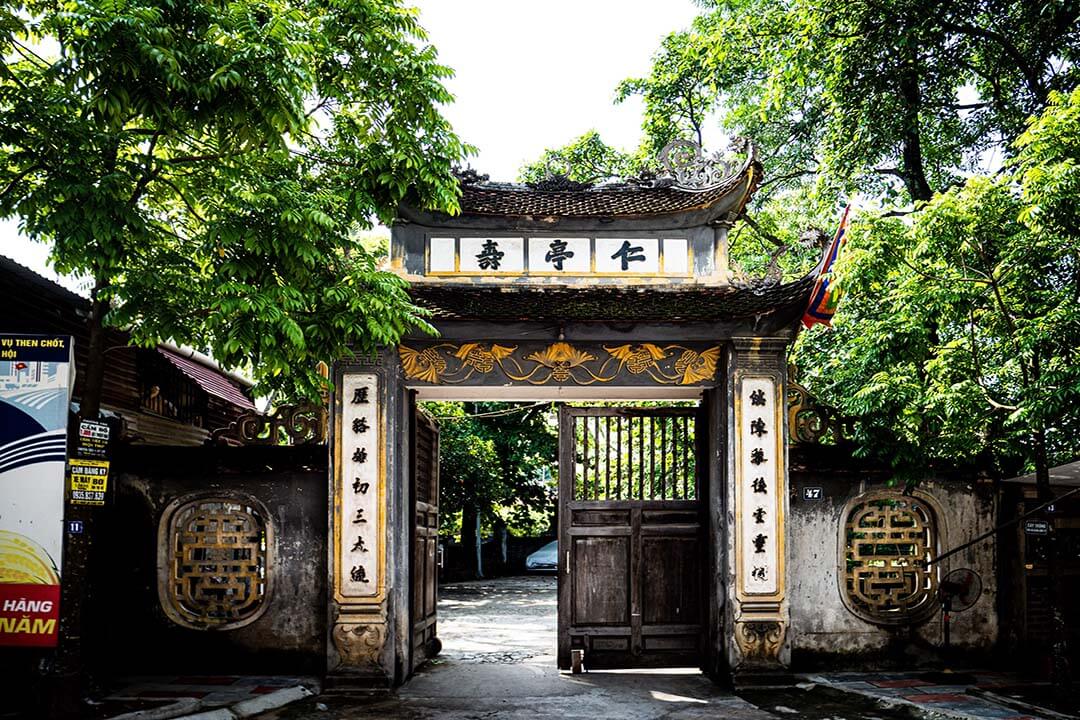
{"type": "Point", "coordinates": [914, 170]}
{"type": "Point", "coordinates": [470, 539]}
{"type": "Point", "coordinates": [93, 384]}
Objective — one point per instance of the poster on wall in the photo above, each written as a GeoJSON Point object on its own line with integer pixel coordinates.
{"type": "Point", "coordinates": [36, 374]}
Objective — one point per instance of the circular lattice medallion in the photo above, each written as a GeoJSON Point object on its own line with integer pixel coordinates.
{"type": "Point", "coordinates": [886, 544]}
{"type": "Point", "coordinates": [214, 560]}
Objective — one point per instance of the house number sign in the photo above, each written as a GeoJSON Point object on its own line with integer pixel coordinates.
{"type": "Point", "coordinates": [759, 458]}
{"type": "Point", "coordinates": [359, 487]}
{"type": "Point", "coordinates": [554, 256]}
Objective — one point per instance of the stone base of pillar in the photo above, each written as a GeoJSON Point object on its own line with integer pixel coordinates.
{"type": "Point", "coordinates": [764, 679]}
{"type": "Point", "coordinates": [359, 641]}
{"type": "Point", "coordinates": [761, 645]}
{"type": "Point", "coordinates": [357, 682]}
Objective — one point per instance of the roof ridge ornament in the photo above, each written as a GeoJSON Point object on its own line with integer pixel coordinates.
{"type": "Point", "coordinates": [469, 176]}
{"type": "Point", "coordinates": [685, 162]}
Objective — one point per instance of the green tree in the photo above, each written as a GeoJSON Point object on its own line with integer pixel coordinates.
{"type": "Point", "coordinates": [493, 468]}
{"type": "Point", "coordinates": [894, 100]}
{"type": "Point", "coordinates": [587, 159]}
{"type": "Point", "coordinates": [677, 97]}
{"type": "Point", "coordinates": [958, 340]}
{"type": "Point", "coordinates": [206, 164]}
{"type": "Point", "coordinates": [866, 93]}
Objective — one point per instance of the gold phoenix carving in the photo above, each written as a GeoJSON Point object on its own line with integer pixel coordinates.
{"type": "Point", "coordinates": [559, 363]}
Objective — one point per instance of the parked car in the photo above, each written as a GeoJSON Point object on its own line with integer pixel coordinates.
{"type": "Point", "coordinates": [546, 559]}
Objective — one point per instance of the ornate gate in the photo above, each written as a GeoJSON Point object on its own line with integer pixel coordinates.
{"type": "Point", "coordinates": [425, 532]}
{"type": "Point", "coordinates": [631, 545]}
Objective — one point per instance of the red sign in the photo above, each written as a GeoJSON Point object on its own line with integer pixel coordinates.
{"type": "Point", "coordinates": [29, 614]}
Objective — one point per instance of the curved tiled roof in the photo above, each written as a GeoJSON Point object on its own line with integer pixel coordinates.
{"type": "Point", "coordinates": [602, 201]}
{"type": "Point", "coordinates": [608, 303]}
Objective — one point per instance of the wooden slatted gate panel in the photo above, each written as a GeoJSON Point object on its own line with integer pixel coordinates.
{"type": "Point", "coordinates": [631, 537]}
{"type": "Point", "coordinates": [425, 530]}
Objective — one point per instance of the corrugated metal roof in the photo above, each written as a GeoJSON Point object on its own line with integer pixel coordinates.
{"type": "Point", "coordinates": [208, 379]}
{"type": "Point", "coordinates": [1066, 475]}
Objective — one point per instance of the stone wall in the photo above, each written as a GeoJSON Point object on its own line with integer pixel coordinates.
{"type": "Point", "coordinates": [129, 630]}
{"type": "Point", "coordinates": [825, 633]}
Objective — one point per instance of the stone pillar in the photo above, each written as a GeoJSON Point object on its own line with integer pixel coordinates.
{"type": "Point", "coordinates": [358, 555]}
{"type": "Point", "coordinates": [756, 619]}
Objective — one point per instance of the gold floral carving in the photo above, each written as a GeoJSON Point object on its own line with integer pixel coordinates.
{"type": "Point", "coordinates": [559, 363]}
{"type": "Point", "coordinates": [760, 640]}
{"type": "Point", "coordinates": [358, 644]}
{"type": "Point", "coordinates": [562, 359]}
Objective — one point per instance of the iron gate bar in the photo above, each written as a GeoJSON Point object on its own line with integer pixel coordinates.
{"type": "Point", "coordinates": [624, 476]}
{"type": "Point", "coordinates": [641, 458]}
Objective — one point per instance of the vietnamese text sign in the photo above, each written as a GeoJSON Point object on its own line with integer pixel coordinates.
{"type": "Point", "coordinates": [93, 440]}
{"type": "Point", "coordinates": [35, 376]}
{"type": "Point", "coordinates": [1036, 527]}
{"type": "Point", "coordinates": [88, 480]}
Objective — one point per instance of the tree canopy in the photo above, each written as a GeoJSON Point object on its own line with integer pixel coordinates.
{"type": "Point", "coordinates": [966, 227]}
{"type": "Point", "coordinates": [586, 159]}
{"type": "Point", "coordinates": [494, 463]}
{"type": "Point", "coordinates": [959, 335]}
{"type": "Point", "coordinates": [892, 101]}
{"type": "Point", "coordinates": [207, 164]}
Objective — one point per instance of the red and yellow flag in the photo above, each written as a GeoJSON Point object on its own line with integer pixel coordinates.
{"type": "Point", "coordinates": [826, 296]}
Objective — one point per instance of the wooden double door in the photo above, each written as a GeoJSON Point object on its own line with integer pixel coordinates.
{"type": "Point", "coordinates": [424, 590]}
{"type": "Point", "coordinates": [631, 537]}
{"type": "Point", "coordinates": [632, 556]}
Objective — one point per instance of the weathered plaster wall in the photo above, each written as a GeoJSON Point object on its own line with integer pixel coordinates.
{"type": "Point", "coordinates": [129, 632]}
{"type": "Point", "coordinates": [824, 631]}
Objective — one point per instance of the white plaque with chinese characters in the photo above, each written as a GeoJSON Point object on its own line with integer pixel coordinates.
{"type": "Point", "coordinates": [360, 487]}
{"type": "Point", "coordinates": [492, 255]}
{"type": "Point", "coordinates": [759, 458]}
{"type": "Point", "coordinates": [630, 256]}
{"type": "Point", "coordinates": [553, 256]}
{"type": "Point", "coordinates": [560, 255]}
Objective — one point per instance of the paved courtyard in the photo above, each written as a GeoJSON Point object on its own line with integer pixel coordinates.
{"type": "Point", "coordinates": [498, 661]}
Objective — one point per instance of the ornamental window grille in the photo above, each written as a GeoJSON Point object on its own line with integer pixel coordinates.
{"type": "Point", "coordinates": [214, 561]}
{"type": "Point", "coordinates": [887, 543]}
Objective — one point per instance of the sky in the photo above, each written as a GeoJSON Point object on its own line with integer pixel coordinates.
{"type": "Point", "coordinates": [529, 75]}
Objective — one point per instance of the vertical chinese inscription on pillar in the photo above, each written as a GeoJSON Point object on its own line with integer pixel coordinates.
{"type": "Point", "coordinates": [760, 460]}
{"type": "Point", "coordinates": [359, 488]}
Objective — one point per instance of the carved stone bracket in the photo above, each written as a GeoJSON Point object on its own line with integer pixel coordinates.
{"type": "Point", "coordinates": [359, 643]}
{"type": "Point", "coordinates": [760, 641]}
{"type": "Point", "coordinates": [810, 421]}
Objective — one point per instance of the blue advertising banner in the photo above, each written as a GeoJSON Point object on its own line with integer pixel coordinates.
{"type": "Point", "coordinates": [36, 376]}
